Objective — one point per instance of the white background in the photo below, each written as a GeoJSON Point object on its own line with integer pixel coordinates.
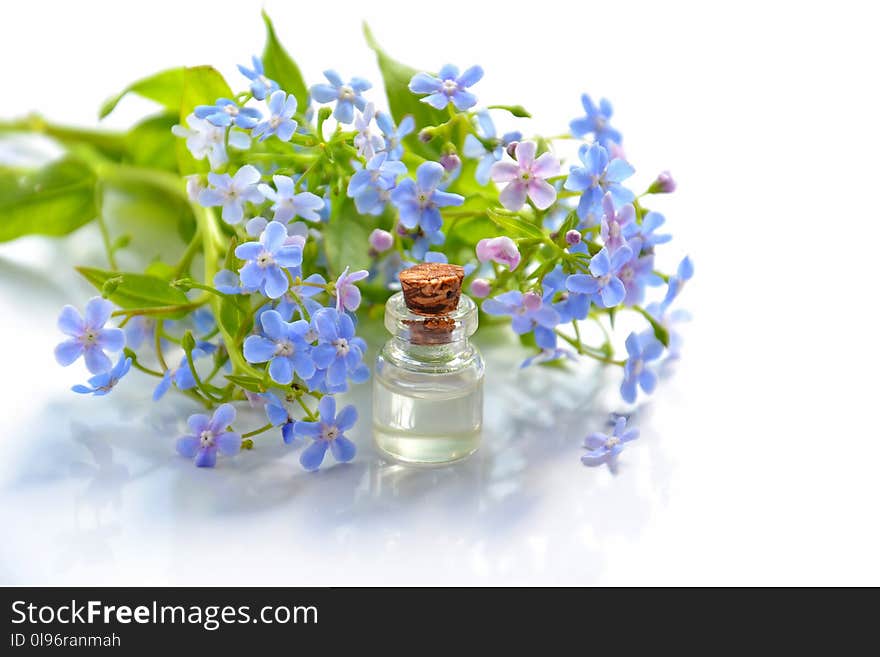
{"type": "Point", "coordinates": [758, 461]}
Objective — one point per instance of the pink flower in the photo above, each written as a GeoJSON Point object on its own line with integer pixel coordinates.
{"type": "Point", "coordinates": [498, 249]}
{"type": "Point", "coordinates": [381, 240]}
{"type": "Point", "coordinates": [348, 296]}
{"type": "Point", "coordinates": [525, 177]}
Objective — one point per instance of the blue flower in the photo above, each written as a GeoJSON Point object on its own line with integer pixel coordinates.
{"type": "Point", "coordinates": [204, 139]}
{"type": "Point", "coordinates": [528, 313]}
{"type": "Point", "coordinates": [476, 149]}
{"type": "Point", "coordinates": [603, 286]}
{"type": "Point", "coordinates": [138, 330]}
{"type": "Point", "coordinates": [615, 223]}
{"type": "Point", "coordinates": [267, 259]}
{"type": "Point", "coordinates": [644, 231]}
{"type": "Point", "coordinates": [418, 200]}
{"type": "Point", "coordinates": [423, 241]}
{"type": "Point", "coordinates": [231, 192]}
{"type": "Point", "coordinates": [279, 414]}
{"type": "Point", "coordinates": [261, 86]}
{"type": "Point", "coordinates": [288, 204]}
{"type": "Point", "coordinates": [283, 346]}
{"type": "Point", "coordinates": [636, 274]}
{"type": "Point", "coordinates": [347, 96]}
{"type": "Point", "coordinates": [370, 187]}
{"type": "Point", "coordinates": [598, 177]}
{"type": "Point", "coordinates": [339, 352]}
{"type": "Point", "coordinates": [605, 449]}
{"type": "Point", "coordinates": [642, 349]}
{"type": "Point", "coordinates": [281, 108]}
{"type": "Point", "coordinates": [348, 296]}
{"type": "Point", "coordinates": [226, 112]}
{"type": "Point", "coordinates": [182, 376]}
{"type": "Point", "coordinates": [569, 305]}
{"type": "Point", "coordinates": [548, 356]}
{"type": "Point", "coordinates": [300, 294]}
{"type": "Point", "coordinates": [394, 136]}
{"type": "Point", "coordinates": [88, 337]}
{"type": "Point", "coordinates": [596, 123]}
{"type": "Point", "coordinates": [101, 384]}
{"type": "Point", "coordinates": [228, 282]}
{"type": "Point", "coordinates": [208, 435]}
{"type": "Point", "coordinates": [366, 143]}
{"type": "Point", "coordinates": [447, 86]}
{"type": "Point", "coordinates": [329, 431]}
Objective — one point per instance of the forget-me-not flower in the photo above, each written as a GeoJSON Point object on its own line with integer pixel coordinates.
{"type": "Point", "coordinates": [226, 112]}
{"type": "Point", "coordinates": [447, 86]}
{"type": "Point", "coordinates": [287, 203]}
{"type": "Point", "coordinates": [499, 249]}
{"type": "Point", "coordinates": [267, 259]}
{"type": "Point", "coordinates": [366, 142]}
{"type": "Point", "coordinates": [641, 349]}
{"type": "Point", "coordinates": [328, 431]}
{"type": "Point", "coordinates": [636, 274]}
{"type": "Point", "coordinates": [423, 241]}
{"type": "Point", "coordinates": [604, 286]}
{"type": "Point", "coordinates": [348, 296]}
{"type": "Point", "coordinates": [528, 313]}
{"type": "Point", "coordinates": [278, 413]}
{"type": "Point", "coordinates": [339, 351]}
{"type": "Point", "coordinates": [88, 337]}
{"type": "Point", "coordinates": [101, 384]}
{"type": "Point", "coordinates": [615, 223]}
{"type": "Point", "coordinates": [605, 449]}
{"type": "Point", "coordinates": [280, 121]}
{"type": "Point", "coordinates": [182, 376]}
{"type": "Point", "coordinates": [645, 231]}
{"type": "Point", "coordinates": [204, 139]}
{"type": "Point", "coordinates": [418, 200]}
{"type": "Point", "coordinates": [232, 192]}
{"type": "Point", "coordinates": [599, 176]}
{"type": "Point", "coordinates": [261, 86]}
{"type": "Point", "coordinates": [526, 177]}
{"type": "Point", "coordinates": [487, 156]}
{"type": "Point", "coordinates": [595, 122]}
{"type": "Point", "coordinates": [347, 96]}
{"type": "Point", "coordinates": [393, 136]}
{"type": "Point", "coordinates": [208, 435]}
{"type": "Point", "coordinates": [283, 346]}
{"type": "Point", "coordinates": [370, 187]}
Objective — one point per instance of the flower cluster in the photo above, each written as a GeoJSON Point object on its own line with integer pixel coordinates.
{"type": "Point", "coordinates": [307, 201]}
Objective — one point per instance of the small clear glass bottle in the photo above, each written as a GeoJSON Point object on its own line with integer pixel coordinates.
{"type": "Point", "coordinates": [428, 381]}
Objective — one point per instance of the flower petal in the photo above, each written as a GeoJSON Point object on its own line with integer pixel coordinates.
{"type": "Point", "coordinates": [313, 455]}
{"type": "Point", "coordinates": [343, 449]}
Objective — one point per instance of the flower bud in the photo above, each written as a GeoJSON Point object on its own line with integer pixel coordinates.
{"type": "Point", "coordinates": [450, 162]}
{"type": "Point", "coordinates": [381, 240]}
{"type": "Point", "coordinates": [664, 184]}
{"type": "Point", "coordinates": [480, 288]}
{"type": "Point", "coordinates": [572, 237]}
{"type": "Point", "coordinates": [511, 149]}
{"type": "Point", "coordinates": [188, 342]}
{"type": "Point", "coordinates": [499, 249]}
{"type": "Point", "coordinates": [425, 136]}
{"type": "Point", "coordinates": [110, 286]}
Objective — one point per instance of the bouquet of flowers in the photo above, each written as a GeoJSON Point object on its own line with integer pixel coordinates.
{"type": "Point", "coordinates": [298, 206]}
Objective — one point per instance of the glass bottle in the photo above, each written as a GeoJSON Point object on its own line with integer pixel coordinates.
{"type": "Point", "coordinates": [428, 379]}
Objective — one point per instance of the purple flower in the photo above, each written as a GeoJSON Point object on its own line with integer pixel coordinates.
{"type": "Point", "coordinates": [283, 345]}
{"type": "Point", "coordinates": [261, 86]}
{"type": "Point", "coordinates": [348, 296]}
{"type": "Point", "coordinates": [526, 177]}
{"type": "Point", "coordinates": [232, 192]}
{"type": "Point", "coordinates": [598, 178]}
{"type": "Point", "coordinates": [267, 259]}
{"type": "Point", "coordinates": [418, 200]}
{"type": "Point", "coordinates": [346, 96]}
{"type": "Point", "coordinates": [603, 286]}
{"type": "Point", "coordinates": [636, 274]}
{"type": "Point", "coordinates": [226, 112]}
{"type": "Point", "coordinates": [367, 143]}
{"type": "Point", "coordinates": [642, 349]}
{"type": "Point", "coordinates": [339, 352]}
{"type": "Point", "coordinates": [615, 224]}
{"type": "Point", "coordinates": [371, 186]}
{"type": "Point", "coordinates": [528, 314]}
{"type": "Point", "coordinates": [499, 249]}
{"type": "Point", "coordinates": [329, 431]}
{"type": "Point", "coordinates": [393, 136]}
{"type": "Point", "coordinates": [573, 237]}
{"type": "Point", "coordinates": [380, 240]}
{"type": "Point", "coordinates": [481, 288]}
{"type": "Point", "coordinates": [88, 337]}
{"type": "Point", "coordinates": [447, 86]}
{"type": "Point", "coordinates": [280, 122]}
{"type": "Point", "coordinates": [596, 123]}
{"type": "Point", "coordinates": [101, 384]}
{"type": "Point", "coordinates": [475, 148]}
{"type": "Point", "coordinates": [644, 231]}
{"type": "Point", "coordinates": [208, 435]}
{"type": "Point", "coordinates": [288, 204]}
{"type": "Point", "coordinates": [605, 449]}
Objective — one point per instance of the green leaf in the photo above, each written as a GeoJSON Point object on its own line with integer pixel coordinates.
{"type": "Point", "coordinates": [345, 237]}
{"type": "Point", "coordinates": [515, 226]}
{"type": "Point", "coordinates": [279, 66]}
{"type": "Point", "coordinates": [402, 101]}
{"type": "Point", "coordinates": [138, 290]}
{"type": "Point", "coordinates": [151, 144]}
{"type": "Point", "coordinates": [660, 331]}
{"type": "Point", "coordinates": [231, 315]}
{"type": "Point", "coordinates": [54, 200]}
{"type": "Point", "coordinates": [202, 85]}
{"type": "Point", "coordinates": [164, 87]}
{"type": "Point", "coordinates": [250, 383]}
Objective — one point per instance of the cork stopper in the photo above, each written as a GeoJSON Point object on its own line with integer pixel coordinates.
{"type": "Point", "coordinates": [432, 288]}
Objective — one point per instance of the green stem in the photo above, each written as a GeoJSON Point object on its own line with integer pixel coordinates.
{"type": "Point", "coordinates": [158, 310]}
{"type": "Point", "coordinates": [102, 225]}
{"type": "Point", "coordinates": [256, 432]}
{"type": "Point", "coordinates": [186, 259]}
{"type": "Point", "coordinates": [157, 340]}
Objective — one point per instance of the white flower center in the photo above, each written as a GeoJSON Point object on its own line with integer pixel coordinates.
{"type": "Point", "coordinates": [525, 175]}
{"type": "Point", "coordinates": [310, 336]}
{"type": "Point", "coordinates": [612, 441]}
{"type": "Point", "coordinates": [423, 199]}
{"type": "Point", "coordinates": [450, 87]}
{"type": "Point", "coordinates": [284, 348]}
{"type": "Point", "coordinates": [346, 92]}
{"type": "Point", "coordinates": [329, 431]}
{"type": "Point", "coordinates": [206, 438]}
{"type": "Point", "coordinates": [231, 110]}
{"type": "Point", "coordinates": [265, 260]}
{"type": "Point", "coordinates": [89, 337]}
{"type": "Point", "coordinates": [275, 121]}
{"type": "Point", "coordinates": [600, 123]}
{"type": "Point", "coordinates": [342, 347]}
{"type": "Point", "coordinates": [626, 274]}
